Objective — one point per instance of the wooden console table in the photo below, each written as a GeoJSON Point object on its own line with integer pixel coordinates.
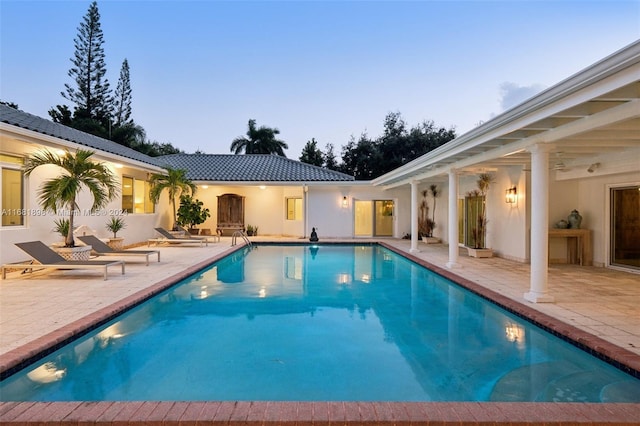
{"type": "Point", "coordinates": [578, 244]}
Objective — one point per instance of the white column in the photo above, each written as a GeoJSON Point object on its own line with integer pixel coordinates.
{"type": "Point", "coordinates": [453, 220]}
{"type": "Point", "coordinates": [414, 217]}
{"type": "Point", "coordinates": [538, 291]}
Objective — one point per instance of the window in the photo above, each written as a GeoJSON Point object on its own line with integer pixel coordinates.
{"type": "Point", "coordinates": [135, 196]}
{"type": "Point", "coordinates": [294, 208]}
{"type": "Point", "coordinates": [12, 191]}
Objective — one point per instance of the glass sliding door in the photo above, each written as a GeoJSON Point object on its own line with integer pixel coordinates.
{"type": "Point", "coordinates": [384, 218]}
{"type": "Point", "coordinates": [363, 211]}
{"type": "Point", "coordinates": [625, 227]}
{"type": "Point", "coordinates": [373, 218]}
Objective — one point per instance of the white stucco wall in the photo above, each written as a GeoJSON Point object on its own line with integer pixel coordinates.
{"type": "Point", "coordinates": [326, 214]}
{"type": "Point", "coordinates": [38, 223]}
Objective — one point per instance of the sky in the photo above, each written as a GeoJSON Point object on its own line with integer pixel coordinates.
{"type": "Point", "coordinates": [328, 70]}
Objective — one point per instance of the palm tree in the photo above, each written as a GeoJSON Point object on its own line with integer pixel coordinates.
{"type": "Point", "coordinates": [175, 182]}
{"type": "Point", "coordinates": [259, 140]}
{"type": "Point", "coordinates": [78, 171]}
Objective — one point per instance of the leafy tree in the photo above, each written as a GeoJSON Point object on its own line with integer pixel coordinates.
{"type": "Point", "coordinates": [77, 171]}
{"type": "Point", "coordinates": [176, 183]}
{"type": "Point", "coordinates": [92, 95]}
{"type": "Point", "coordinates": [259, 140]}
{"type": "Point", "coordinates": [368, 159]}
{"type": "Point", "coordinates": [359, 158]}
{"type": "Point", "coordinates": [122, 99]}
{"type": "Point", "coordinates": [156, 149]}
{"type": "Point", "coordinates": [61, 114]}
{"type": "Point", "coordinates": [130, 135]}
{"type": "Point", "coordinates": [392, 144]}
{"type": "Point", "coordinates": [330, 161]}
{"type": "Point", "coordinates": [191, 212]}
{"type": "Point", "coordinates": [311, 154]}
{"type": "Point", "coordinates": [10, 104]}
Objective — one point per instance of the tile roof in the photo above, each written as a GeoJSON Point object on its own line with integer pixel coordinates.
{"type": "Point", "coordinates": [250, 168]}
{"type": "Point", "coordinates": [47, 127]}
{"type": "Point", "coordinates": [206, 167]}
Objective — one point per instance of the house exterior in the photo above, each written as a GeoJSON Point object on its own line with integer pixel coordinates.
{"type": "Point", "coordinates": [281, 196]}
{"type": "Point", "coordinates": [574, 146]}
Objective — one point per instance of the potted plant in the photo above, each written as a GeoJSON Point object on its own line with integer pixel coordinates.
{"type": "Point", "coordinates": [114, 225]}
{"type": "Point", "coordinates": [479, 215]}
{"type": "Point", "coordinates": [192, 213]}
{"type": "Point", "coordinates": [250, 230]}
{"type": "Point", "coordinates": [61, 226]}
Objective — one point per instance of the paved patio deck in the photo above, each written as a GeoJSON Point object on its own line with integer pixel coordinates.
{"type": "Point", "coordinates": [599, 306]}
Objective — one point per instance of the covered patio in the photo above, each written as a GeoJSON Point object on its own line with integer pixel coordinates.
{"type": "Point", "coordinates": [565, 148]}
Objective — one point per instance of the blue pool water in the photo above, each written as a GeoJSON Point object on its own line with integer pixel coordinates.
{"type": "Point", "coordinates": [329, 322]}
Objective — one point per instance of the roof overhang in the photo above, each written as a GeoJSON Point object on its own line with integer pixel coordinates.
{"type": "Point", "coordinates": [590, 114]}
{"type": "Point", "coordinates": [38, 140]}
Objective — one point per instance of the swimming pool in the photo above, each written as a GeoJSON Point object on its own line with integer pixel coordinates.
{"type": "Point", "coordinates": [256, 327]}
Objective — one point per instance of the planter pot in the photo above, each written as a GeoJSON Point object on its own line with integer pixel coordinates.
{"type": "Point", "coordinates": [116, 243]}
{"type": "Point", "coordinates": [431, 240]}
{"type": "Point", "coordinates": [194, 231]}
{"type": "Point", "coordinates": [480, 252]}
{"type": "Point", "coordinates": [73, 253]}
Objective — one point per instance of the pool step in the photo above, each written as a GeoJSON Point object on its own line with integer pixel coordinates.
{"type": "Point", "coordinates": [559, 381]}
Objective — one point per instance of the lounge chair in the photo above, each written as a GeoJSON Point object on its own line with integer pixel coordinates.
{"type": "Point", "coordinates": [102, 249]}
{"type": "Point", "coordinates": [48, 258]}
{"type": "Point", "coordinates": [208, 238]}
{"type": "Point", "coordinates": [170, 239]}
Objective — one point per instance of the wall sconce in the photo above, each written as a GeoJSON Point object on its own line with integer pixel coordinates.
{"type": "Point", "coordinates": [345, 202]}
{"type": "Point", "coordinates": [592, 168]}
{"type": "Point", "coordinates": [511, 195]}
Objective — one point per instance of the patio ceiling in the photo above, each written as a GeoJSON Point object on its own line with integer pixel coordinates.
{"type": "Point", "coordinates": [589, 118]}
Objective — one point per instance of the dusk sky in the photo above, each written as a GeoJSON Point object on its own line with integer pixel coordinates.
{"type": "Point", "coordinates": [325, 70]}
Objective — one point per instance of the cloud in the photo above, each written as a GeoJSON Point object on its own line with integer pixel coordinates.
{"type": "Point", "coordinates": [511, 94]}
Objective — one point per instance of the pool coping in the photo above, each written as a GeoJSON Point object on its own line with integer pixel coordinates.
{"type": "Point", "coordinates": [320, 412]}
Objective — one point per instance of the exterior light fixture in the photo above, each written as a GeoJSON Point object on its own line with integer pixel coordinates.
{"type": "Point", "coordinates": [345, 202]}
{"type": "Point", "coordinates": [592, 168]}
{"type": "Point", "coordinates": [511, 195]}
{"type": "Point", "coordinates": [262, 187]}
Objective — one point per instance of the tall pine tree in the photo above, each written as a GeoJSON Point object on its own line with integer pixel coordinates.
{"type": "Point", "coordinates": [92, 95]}
{"type": "Point", "coordinates": [122, 99]}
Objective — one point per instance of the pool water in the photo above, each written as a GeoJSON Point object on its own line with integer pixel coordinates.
{"type": "Point", "coordinates": [327, 323]}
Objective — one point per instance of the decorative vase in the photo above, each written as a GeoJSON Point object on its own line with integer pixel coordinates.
{"type": "Point", "coordinates": [562, 224]}
{"type": "Point", "coordinates": [574, 219]}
